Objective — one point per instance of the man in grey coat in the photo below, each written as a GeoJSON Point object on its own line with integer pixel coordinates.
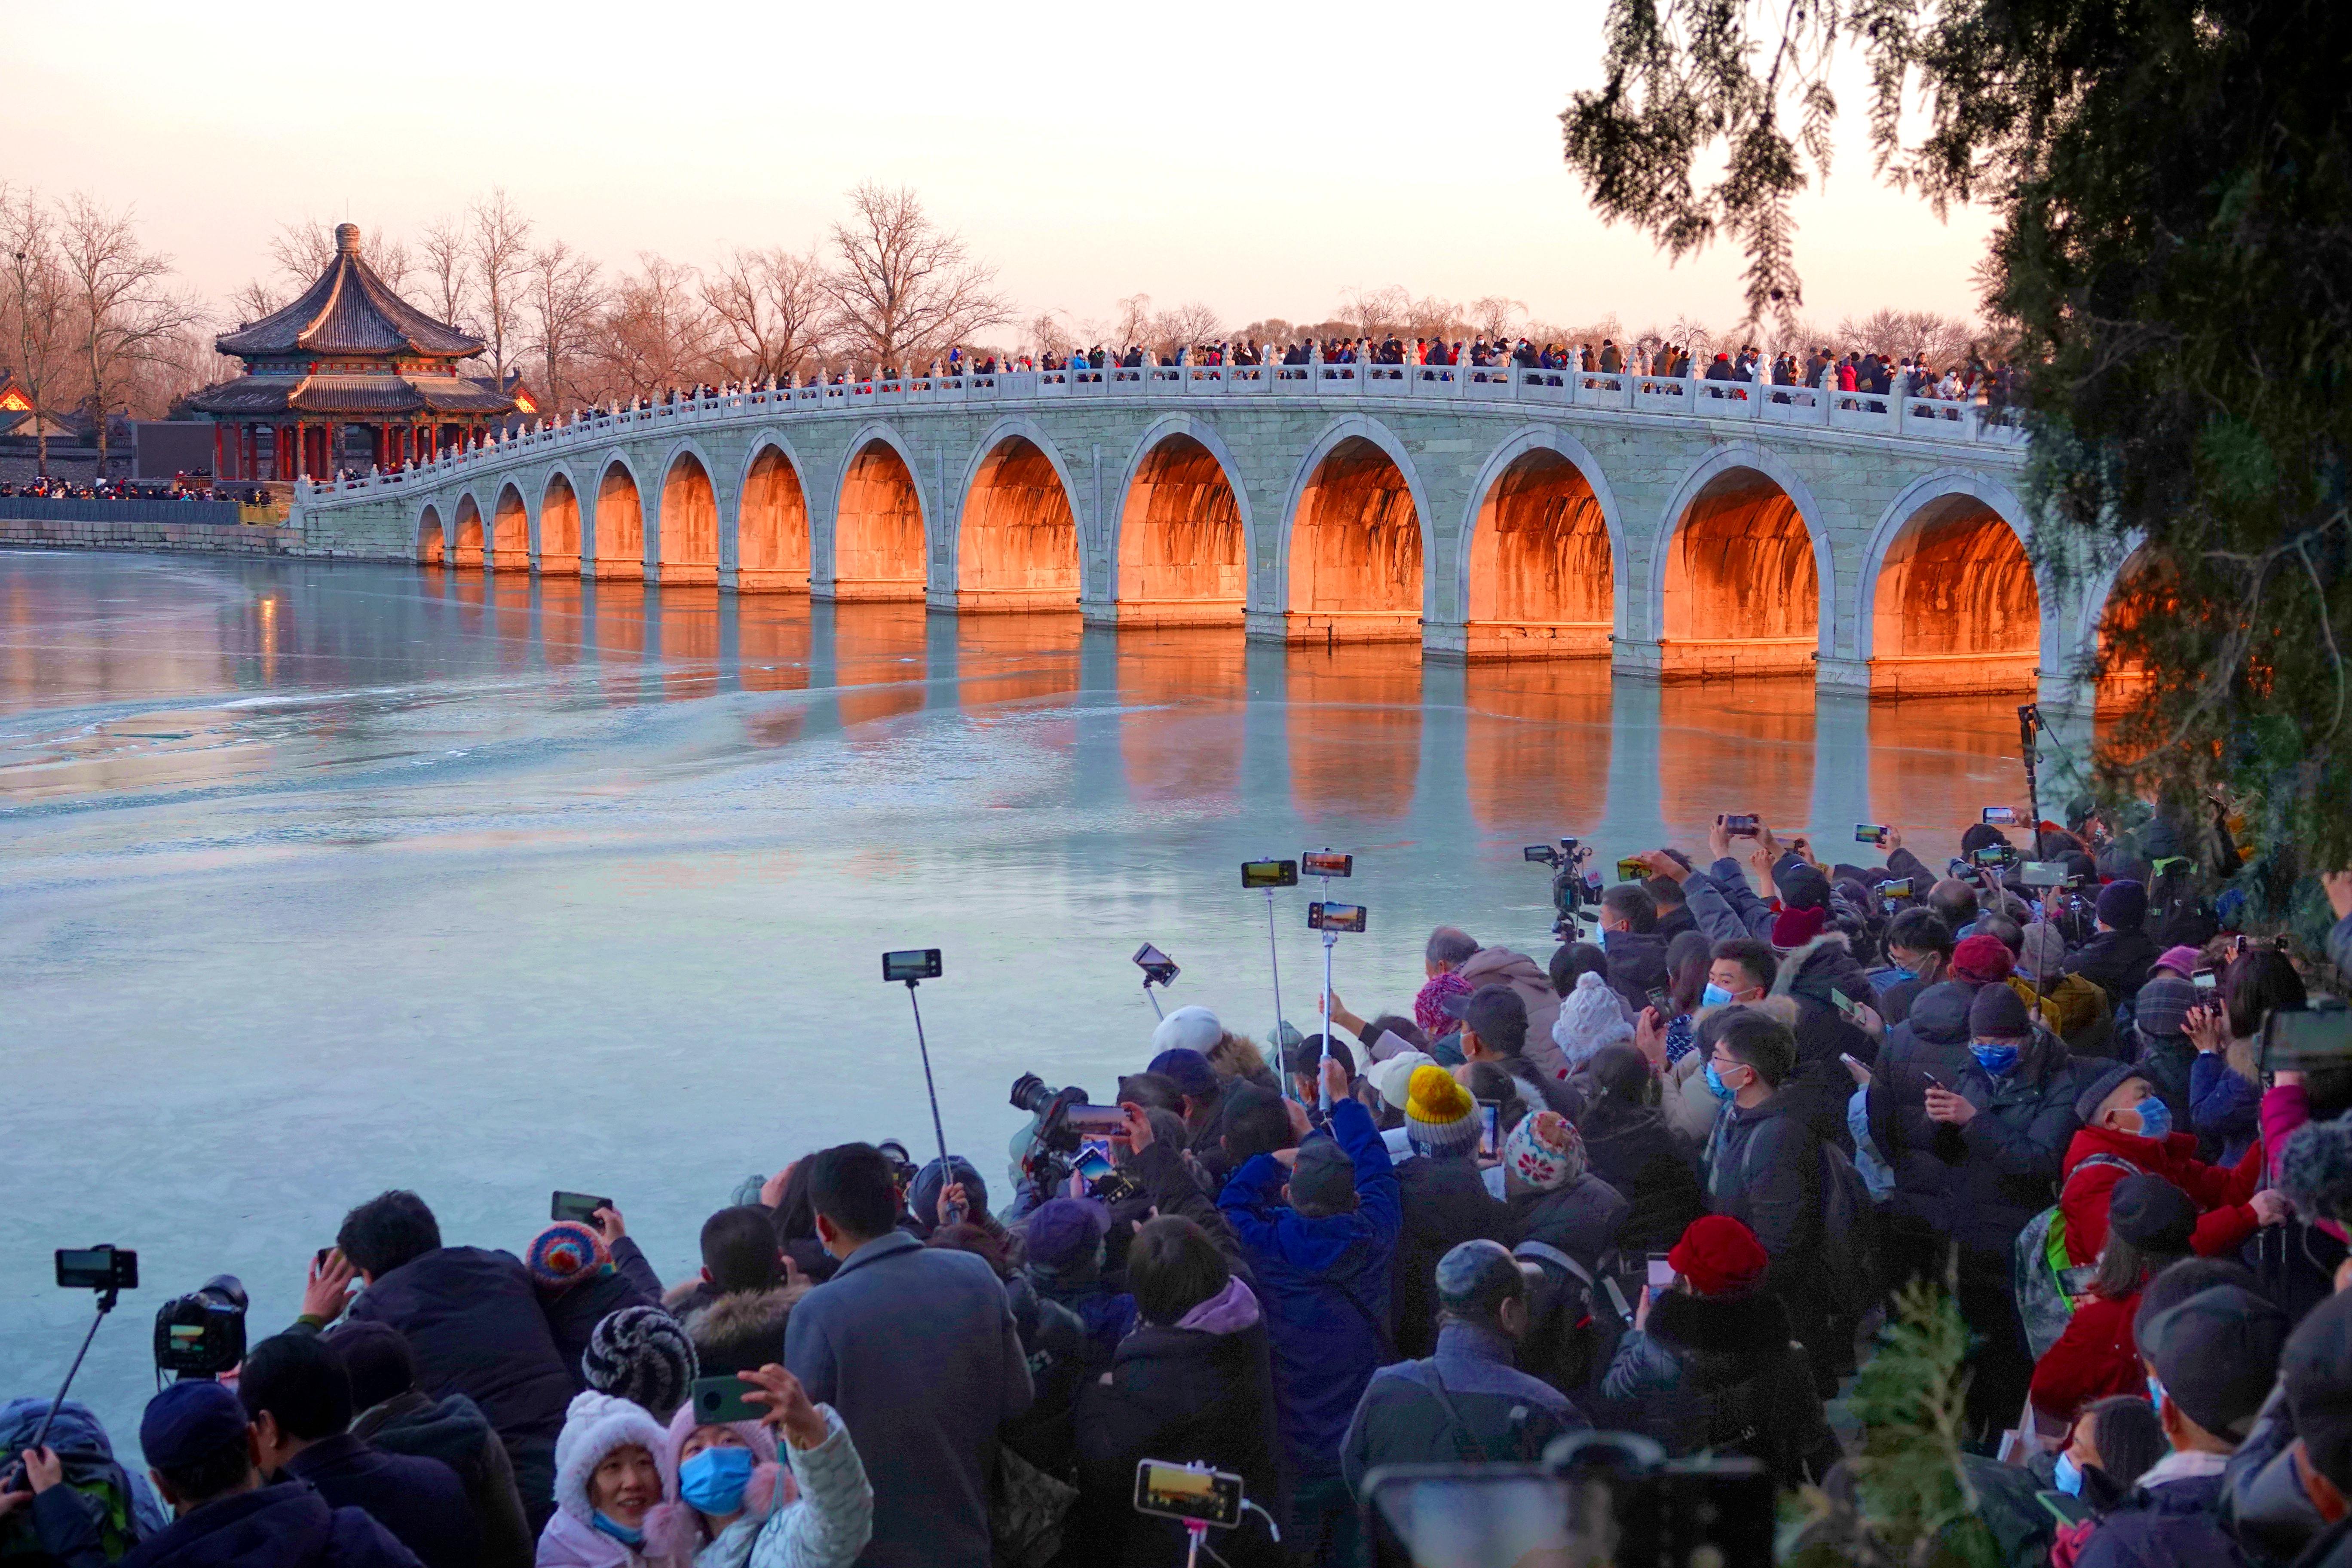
{"type": "Point", "coordinates": [916, 1347]}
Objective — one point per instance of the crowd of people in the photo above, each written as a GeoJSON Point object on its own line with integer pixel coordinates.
{"type": "Point", "coordinates": [181, 487]}
{"type": "Point", "coordinates": [1663, 1183]}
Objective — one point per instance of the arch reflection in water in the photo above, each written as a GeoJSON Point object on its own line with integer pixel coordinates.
{"type": "Point", "coordinates": [1740, 595]}
{"type": "Point", "coordinates": [1536, 746]}
{"type": "Point", "coordinates": [1016, 658]}
{"type": "Point", "coordinates": [880, 659]}
{"type": "Point", "coordinates": [1746, 747]}
{"type": "Point", "coordinates": [1180, 693]}
{"type": "Point", "coordinates": [1353, 718]}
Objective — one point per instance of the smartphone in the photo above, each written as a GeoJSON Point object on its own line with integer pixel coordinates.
{"type": "Point", "coordinates": [912, 964]}
{"type": "Point", "coordinates": [1543, 852]}
{"type": "Point", "coordinates": [98, 1268]}
{"type": "Point", "coordinates": [1158, 969]}
{"type": "Point", "coordinates": [1870, 833]}
{"type": "Point", "coordinates": [1104, 1121]}
{"type": "Point", "coordinates": [2064, 1506]}
{"type": "Point", "coordinates": [1740, 827]}
{"type": "Point", "coordinates": [2000, 817]}
{"type": "Point", "coordinates": [1992, 855]}
{"type": "Point", "coordinates": [1179, 1491]}
{"type": "Point", "coordinates": [720, 1402]}
{"type": "Point", "coordinates": [1661, 1274]}
{"type": "Point", "coordinates": [1324, 863]}
{"type": "Point", "coordinates": [2306, 1037]}
{"type": "Point", "coordinates": [2204, 979]}
{"type": "Point", "coordinates": [1269, 873]}
{"type": "Point", "coordinates": [1935, 1082]}
{"type": "Point", "coordinates": [1847, 1006]}
{"type": "Point", "coordinates": [319, 1259]}
{"type": "Point", "coordinates": [578, 1206]}
{"type": "Point", "coordinates": [1900, 887]}
{"type": "Point", "coordinates": [1633, 870]}
{"type": "Point", "coordinates": [1093, 1164]}
{"type": "Point", "coordinates": [1336, 916]}
{"type": "Point", "coordinates": [1490, 1128]}
{"type": "Point", "coordinates": [1663, 1000]}
{"type": "Point", "coordinates": [2043, 874]}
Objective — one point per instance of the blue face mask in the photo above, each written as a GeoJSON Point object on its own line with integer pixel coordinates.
{"type": "Point", "coordinates": [2070, 1476]}
{"type": "Point", "coordinates": [1996, 1059]}
{"type": "Point", "coordinates": [1902, 973]}
{"type": "Point", "coordinates": [2155, 1392]}
{"type": "Point", "coordinates": [2155, 1118]}
{"type": "Point", "coordinates": [627, 1535]}
{"type": "Point", "coordinates": [1714, 1084]}
{"type": "Point", "coordinates": [714, 1480]}
{"type": "Point", "coordinates": [1713, 995]}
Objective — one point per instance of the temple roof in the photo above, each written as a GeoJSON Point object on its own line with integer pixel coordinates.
{"type": "Point", "coordinates": [258, 397]}
{"type": "Point", "coordinates": [349, 311]}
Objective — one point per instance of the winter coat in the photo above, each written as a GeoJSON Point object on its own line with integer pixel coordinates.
{"type": "Point", "coordinates": [1637, 967]}
{"type": "Point", "coordinates": [2005, 1161]}
{"type": "Point", "coordinates": [1933, 1040]}
{"type": "Point", "coordinates": [1724, 906]}
{"type": "Point", "coordinates": [2170, 1063]}
{"type": "Point", "coordinates": [1202, 1390]}
{"type": "Point", "coordinates": [2096, 1355]}
{"type": "Point", "coordinates": [2171, 1524]}
{"type": "Point", "coordinates": [2221, 1108]}
{"type": "Point", "coordinates": [421, 1501]}
{"type": "Point", "coordinates": [1765, 1172]}
{"type": "Point", "coordinates": [1642, 1159]}
{"type": "Point", "coordinates": [2263, 1504]}
{"type": "Point", "coordinates": [739, 1331]}
{"type": "Point", "coordinates": [455, 1431]}
{"type": "Point", "coordinates": [1821, 1084]}
{"type": "Point", "coordinates": [832, 1519]}
{"type": "Point", "coordinates": [1468, 1402]}
{"type": "Point", "coordinates": [2116, 962]}
{"type": "Point", "coordinates": [1061, 1361]}
{"type": "Point", "coordinates": [1720, 1371]}
{"type": "Point", "coordinates": [595, 1426]}
{"type": "Point", "coordinates": [1690, 1107]}
{"type": "Point", "coordinates": [473, 1322]}
{"type": "Point", "coordinates": [2071, 1005]}
{"type": "Point", "coordinates": [574, 1312]}
{"type": "Point", "coordinates": [917, 1348]}
{"type": "Point", "coordinates": [1500, 965]}
{"type": "Point", "coordinates": [101, 1509]}
{"type": "Point", "coordinates": [2222, 1193]}
{"type": "Point", "coordinates": [1582, 1219]}
{"type": "Point", "coordinates": [1324, 1287]}
{"type": "Point", "coordinates": [1445, 1203]}
{"type": "Point", "coordinates": [285, 1526]}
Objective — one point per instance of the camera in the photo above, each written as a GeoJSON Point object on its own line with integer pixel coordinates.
{"type": "Point", "coordinates": [1571, 888]}
{"type": "Point", "coordinates": [1068, 1129]}
{"type": "Point", "coordinates": [2301, 1038]}
{"type": "Point", "coordinates": [202, 1333]}
{"type": "Point", "coordinates": [98, 1268]}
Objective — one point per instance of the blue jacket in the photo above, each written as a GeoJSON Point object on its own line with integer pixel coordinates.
{"type": "Point", "coordinates": [1324, 1284]}
{"type": "Point", "coordinates": [2177, 1524]}
{"type": "Point", "coordinates": [421, 1501]}
{"type": "Point", "coordinates": [2223, 1110]}
{"type": "Point", "coordinates": [285, 1526]}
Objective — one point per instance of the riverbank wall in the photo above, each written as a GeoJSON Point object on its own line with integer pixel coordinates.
{"type": "Point", "coordinates": [142, 534]}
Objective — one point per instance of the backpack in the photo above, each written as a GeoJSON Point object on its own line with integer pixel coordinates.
{"type": "Point", "coordinates": [2045, 1284]}
{"type": "Point", "coordinates": [1849, 1251]}
{"type": "Point", "coordinates": [1574, 1319]}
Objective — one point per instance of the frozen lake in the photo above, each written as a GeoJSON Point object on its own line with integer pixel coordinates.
{"type": "Point", "coordinates": [323, 880]}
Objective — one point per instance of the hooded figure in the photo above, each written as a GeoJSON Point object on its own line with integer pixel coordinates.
{"type": "Point", "coordinates": [740, 1503]}
{"type": "Point", "coordinates": [1589, 1017]}
{"type": "Point", "coordinates": [597, 1426]}
{"type": "Point", "coordinates": [1501, 966]}
{"type": "Point", "coordinates": [99, 1507]}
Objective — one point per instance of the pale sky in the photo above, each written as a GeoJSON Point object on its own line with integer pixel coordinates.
{"type": "Point", "coordinates": [1259, 156]}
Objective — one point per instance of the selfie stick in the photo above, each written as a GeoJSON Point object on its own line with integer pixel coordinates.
{"type": "Point", "coordinates": [1148, 996]}
{"type": "Point", "coordinates": [1274, 961]}
{"type": "Point", "coordinates": [2029, 719]}
{"type": "Point", "coordinates": [946, 1170]}
{"type": "Point", "coordinates": [106, 1300]}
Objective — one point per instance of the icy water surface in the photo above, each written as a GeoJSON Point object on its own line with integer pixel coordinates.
{"type": "Point", "coordinates": [316, 880]}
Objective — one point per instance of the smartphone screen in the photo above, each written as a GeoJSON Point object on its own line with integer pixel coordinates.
{"type": "Point", "coordinates": [1324, 863]}
{"type": "Point", "coordinates": [580, 1207]}
{"type": "Point", "coordinates": [1631, 870]}
{"type": "Point", "coordinates": [1269, 873]}
{"type": "Point", "coordinates": [1176, 1491]}
{"type": "Point", "coordinates": [1870, 833]}
{"type": "Point", "coordinates": [2203, 980]}
{"type": "Point", "coordinates": [1846, 1004]}
{"type": "Point", "coordinates": [2000, 815]}
{"type": "Point", "coordinates": [1490, 1128]}
{"type": "Point", "coordinates": [1092, 1164]}
{"type": "Point", "coordinates": [1661, 1274]}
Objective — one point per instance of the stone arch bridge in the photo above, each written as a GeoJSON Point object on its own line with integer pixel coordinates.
{"type": "Point", "coordinates": [1682, 529]}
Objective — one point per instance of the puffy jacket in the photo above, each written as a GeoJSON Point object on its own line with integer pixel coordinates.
{"type": "Point", "coordinates": [100, 1511]}
{"type": "Point", "coordinates": [474, 1324]}
{"type": "Point", "coordinates": [1582, 1219]}
{"type": "Point", "coordinates": [2221, 1108]}
{"type": "Point", "coordinates": [2096, 1356]}
{"type": "Point", "coordinates": [1809, 976]}
{"type": "Point", "coordinates": [2227, 1220]}
{"type": "Point", "coordinates": [1642, 1160]}
{"type": "Point", "coordinates": [2071, 1005]}
{"type": "Point", "coordinates": [421, 1501]}
{"type": "Point", "coordinates": [1637, 965]}
{"type": "Point", "coordinates": [1766, 1173]}
{"type": "Point", "coordinates": [1501, 966]}
{"type": "Point", "coordinates": [2170, 1063]}
{"type": "Point", "coordinates": [2173, 1524]}
{"type": "Point", "coordinates": [1725, 907]}
{"type": "Point", "coordinates": [2005, 1161]}
{"type": "Point", "coordinates": [1719, 1372]}
{"type": "Point", "coordinates": [1467, 1403]}
{"type": "Point", "coordinates": [1934, 1040]}
{"type": "Point", "coordinates": [1445, 1203]}
{"type": "Point", "coordinates": [2116, 962]}
{"type": "Point", "coordinates": [454, 1431]}
{"type": "Point", "coordinates": [1324, 1285]}
{"type": "Point", "coordinates": [285, 1526]}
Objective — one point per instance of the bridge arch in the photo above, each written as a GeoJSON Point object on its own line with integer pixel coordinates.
{"type": "Point", "coordinates": [620, 521]}
{"type": "Point", "coordinates": [1017, 531]}
{"type": "Point", "coordinates": [879, 547]}
{"type": "Point", "coordinates": [772, 542]}
{"type": "Point", "coordinates": [510, 531]}
{"type": "Point", "coordinates": [2131, 588]}
{"type": "Point", "coordinates": [432, 538]}
{"type": "Point", "coordinates": [1354, 540]}
{"type": "Point", "coordinates": [1947, 598]}
{"type": "Point", "coordinates": [472, 550]}
{"type": "Point", "coordinates": [686, 529]}
{"type": "Point", "coordinates": [559, 525]}
{"type": "Point", "coordinates": [1181, 535]}
{"type": "Point", "coordinates": [1542, 552]}
{"type": "Point", "coordinates": [1742, 580]}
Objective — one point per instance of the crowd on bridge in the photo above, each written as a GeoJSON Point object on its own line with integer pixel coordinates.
{"type": "Point", "coordinates": [1663, 1182]}
{"type": "Point", "coordinates": [181, 487]}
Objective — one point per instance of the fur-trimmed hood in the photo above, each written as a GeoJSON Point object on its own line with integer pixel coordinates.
{"type": "Point", "coordinates": [1811, 970]}
{"type": "Point", "coordinates": [738, 1330]}
{"type": "Point", "coordinates": [1721, 1340]}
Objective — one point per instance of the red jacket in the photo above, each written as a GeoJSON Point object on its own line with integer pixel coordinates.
{"type": "Point", "coordinates": [2095, 1357]}
{"type": "Point", "coordinates": [2227, 1220]}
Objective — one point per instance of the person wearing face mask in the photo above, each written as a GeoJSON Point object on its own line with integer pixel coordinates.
{"type": "Point", "coordinates": [2127, 1131]}
{"type": "Point", "coordinates": [738, 1506]}
{"type": "Point", "coordinates": [1738, 972]}
{"type": "Point", "coordinates": [2149, 1222]}
{"type": "Point", "coordinates": [2113, 1443]}
{"type": "Point", "coordinates": [1918, 944]}
{"type": "Point", "coordinates": [2000, 1128]}
{"type": "Point", "coordinates": [608, 1481]}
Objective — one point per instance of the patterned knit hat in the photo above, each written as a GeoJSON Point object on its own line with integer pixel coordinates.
{"type": "Point", "coordinates": [1428, 1006]}
{"type": "Point", "coordinates": [643, 1355]}
{"type": "Point", "coordinates": [1440, 1117]}
{"type": "Point", "coordinates": [564, 1254]}
{"type": "Point", "coordinates": [1544, 1151]}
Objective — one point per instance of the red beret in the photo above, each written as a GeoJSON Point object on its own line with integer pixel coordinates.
{"type": "Point", "coordinates": [1719, 1257]}
{"type": "Point", "coordinates": [1793, 927]}
{"type": "Point", "coordinates": [1983, 960]}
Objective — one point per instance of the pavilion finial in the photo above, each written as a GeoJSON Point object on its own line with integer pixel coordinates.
{"type": "Point", "coordinates": [347, 238]}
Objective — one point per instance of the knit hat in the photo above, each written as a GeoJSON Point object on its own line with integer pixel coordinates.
{"type": "Point", "coordinates": [1188, 1069]}
{"type": "Point", "coordinates": [1719, 1257]}
{"type": "Point", "coordinates": [1589, 1017]}
{"type": "Point", "coordinates": [1997, 1013]}
{"type": "Point", "coordinates": [1795, 926]}
{"type": "Point", "coordinates": [2087, 1103]}
{"type": "Point", "coordinates": [1064, 1231]}
{"type": "Point", "coordinates": [2182, 961]}
{"type": "Point", "coordinates": [2152, 1214]}
{"type": "Point", "coordinates": [1323, 1179]}
{"type": "Point", "coordinates": [1393, 1077]}
{"type": "Point", "coordinates": [2316, 1371]}
{"type": "Point", "coordinates": [923, 1197]}
{"type": "Point", "coordinates": [2123, 905]}
{"type": "Point", "coordinates": [595, 1424]}
{"type": "Point", "coordinates": [188, 1422]}
{"type": "Point", "coordinates": [564, 1254]}
{"type": "Point", "coordinates": [2162, 1009]}
{"type": "Point", "coordinates": [1440, 1117]}
{"type": "Point", "coordinates": [1429, 1004]}
{"type": "Point", "coordinates": [2217, 1354]}
{"type": "Point", "coordinates": [1982, 961]}
{"type": "Point", "coordinates": [1544, 1151]}
{"type": "Point", "coordinates": [1800, 884]}
{"type": "Point", "coordinates": [643, 1355]}
{"type": "Point", "coordinates": [1187, 1029]}
{"type": "Point", "coordinates": [2042, 955]}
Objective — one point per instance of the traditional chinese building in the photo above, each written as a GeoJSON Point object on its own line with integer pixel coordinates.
{"type": "Point", "coordinates": [347, 375]}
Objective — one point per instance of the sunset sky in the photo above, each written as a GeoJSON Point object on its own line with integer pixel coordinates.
{"type": "Point", "coordinates": [1260, 157]}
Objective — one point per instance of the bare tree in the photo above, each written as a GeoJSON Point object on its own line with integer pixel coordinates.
{"type": "Point", "coordinates": [498, 244]}
{"type": "Point", "coordinates": [771, 305]}
{"type": "Point", "coordinates": [655, 332]}
{"type": "Point", "coordinates": [1491, 317]}
{"type": "Point", "coordinates": [123, 304]}
{"type": "Point", "coordinates": [301, 251]}
{"type": "Point", "coordinates": [442, 260]}
{"type": "Point", "coordinates": [1134, 323]}
{"type": "Point", "coordinates": [1046, 333]}
{"type": "Point", "coordinates": [37, 306]}
{"type": "Point", "coordinates": [1189, 323]}
{"type": "Point", "coordinates": [1941, 340]}
{"type": "Point", "coordinates": [1375, 312]}
{"type": "Point", "coordinates": [566, 297]}
{"type": "Point", "coordinates": [904, 287]}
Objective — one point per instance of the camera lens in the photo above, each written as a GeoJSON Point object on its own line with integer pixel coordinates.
{"type": "Point", "coordinates": [1030, 1094]}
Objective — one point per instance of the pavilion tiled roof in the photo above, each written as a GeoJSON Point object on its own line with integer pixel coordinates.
{"type": "Point", "coordinates": [261, 397]}
{"type": "Point", "coordinates": [349, 311]}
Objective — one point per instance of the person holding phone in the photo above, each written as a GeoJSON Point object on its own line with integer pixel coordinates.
{"type": "Point", "coordinates": [737, 1505]}
{"type": "Point", "coordinates": [586, 1272]}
